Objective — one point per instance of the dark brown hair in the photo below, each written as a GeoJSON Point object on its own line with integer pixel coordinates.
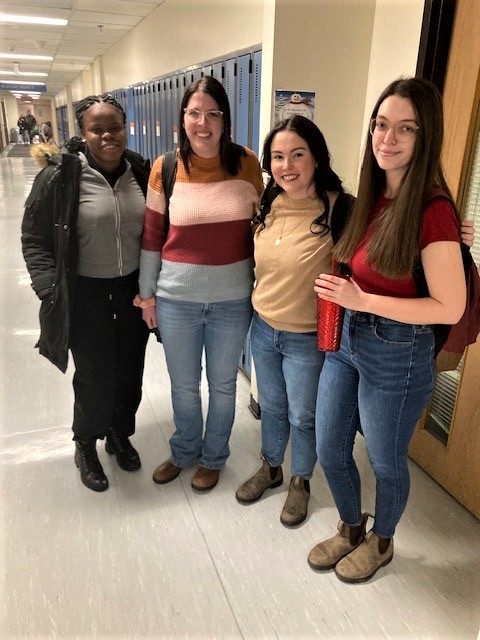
{"type": "Point", "coordinates": [394, 244]}
{"type": "Point", "coordinates": [230, 153]}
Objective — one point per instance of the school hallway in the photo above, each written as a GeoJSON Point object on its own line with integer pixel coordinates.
{"type": "Point", "coordinates": [147, 562]}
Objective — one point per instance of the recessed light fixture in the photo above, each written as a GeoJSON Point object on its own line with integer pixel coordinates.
{"type": "Point", "coordinates": [21, 56]}
{"type": "Point", "coordinates": [58, 22]}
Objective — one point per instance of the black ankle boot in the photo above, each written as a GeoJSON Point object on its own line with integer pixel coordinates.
{"type": "Point", "coordinates": [127, 457]}
{"type": "Point", "coordinates": [91, 471]}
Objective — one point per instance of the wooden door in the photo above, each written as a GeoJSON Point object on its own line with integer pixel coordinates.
{"type": "Point", "coordinates": [454, 460]}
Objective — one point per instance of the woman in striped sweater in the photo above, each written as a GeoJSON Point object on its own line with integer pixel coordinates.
{"type": "Point", "coordinates": [196, 277]}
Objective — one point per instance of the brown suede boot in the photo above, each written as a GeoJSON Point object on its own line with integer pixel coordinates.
{"type": "Point", "coordinates": [363, 563]}
{"type": "Point", "coordinates": [295, 510]}
{"type": "Point", "coordinates": [267, 477]}
{"type": "Point", "coordinates": [325, 555]}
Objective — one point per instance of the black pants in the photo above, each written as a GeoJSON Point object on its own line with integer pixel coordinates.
{"type": "Point", "coordinates": [107, 339]}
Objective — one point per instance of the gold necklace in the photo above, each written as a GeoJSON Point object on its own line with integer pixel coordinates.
{"type": "Point", "coordinates": [282, 235]}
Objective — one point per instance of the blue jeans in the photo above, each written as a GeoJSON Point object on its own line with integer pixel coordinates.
{"type": "Point", "coordinates": [187, 328]}
{"type": "Point", "coordinates": [381, 377]}
{"type": "Point", "coordinates": [288, 367]}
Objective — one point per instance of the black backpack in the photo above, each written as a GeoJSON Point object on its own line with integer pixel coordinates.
{"type": "Point", "coordinates": [169, 172]}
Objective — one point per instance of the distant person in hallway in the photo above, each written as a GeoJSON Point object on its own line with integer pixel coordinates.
{"type": "Point", "coordinates": [293, 243]}
{"type": "Point", "coordinates": [81, 237]}
{"type": "Point", "coordinates": [46, 132]}
{"type": "Point", "coordinates": [31, 122]}
{"type": "Point", "coordinates": [384, 372]}
{"type": "Point", "coordinates": [23, 129]}
{"type": "Point", "coordinates": [196, 277]}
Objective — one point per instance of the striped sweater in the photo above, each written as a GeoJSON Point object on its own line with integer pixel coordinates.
{"type": "Point", "coordinates": [207, 255]}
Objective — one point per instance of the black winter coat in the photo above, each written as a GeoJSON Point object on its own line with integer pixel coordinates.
{"type": "Point", "coordinates": [50, 245]}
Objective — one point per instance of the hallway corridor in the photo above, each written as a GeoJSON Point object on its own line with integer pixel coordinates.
{"type": "Point", "coordinates": [159, 562]}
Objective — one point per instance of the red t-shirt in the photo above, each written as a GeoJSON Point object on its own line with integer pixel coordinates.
{"type": "Point", "coordinates": [439, 224]}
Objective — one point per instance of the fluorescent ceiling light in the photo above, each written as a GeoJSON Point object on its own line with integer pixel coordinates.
{"type": "Point", "coordinates": [21, 56]}
{"type": "Point", "coordinates": [37, 74]}
{"type": "Point", "coordinates": [20, 82]}
{"type": "Point", "coordinates": [5, 17]}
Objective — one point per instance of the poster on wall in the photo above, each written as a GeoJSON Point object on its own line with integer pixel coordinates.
{"type": "Point", "coordinates": [294, 103]}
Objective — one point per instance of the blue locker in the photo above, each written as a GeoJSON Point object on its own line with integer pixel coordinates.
{"type": "Point", "coordinates": [130, 113]}
{"type": "Point", "coordinates": [157, 131]}
{"type": "Point", "coordinates": [217, 71]}
{"type": "Point", "coordinates": [163, 116]}
{"type": "Point", "coordinates": [255, 100]}
{"type": "Point", "coordinates": [171, 119]}
{"type": "Point", "coordinates": [143, 121]}
{"type": "Point", "coordinates": [207, 70]}
{"type": "Point", "coordinates": [196, 74]}
{"type": "Point", "coordinates": [229, 84]}
{"type": "Point", "coordinates": [242, 127]}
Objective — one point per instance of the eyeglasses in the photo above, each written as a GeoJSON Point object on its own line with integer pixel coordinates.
{"type": "Point", "coordinates": [402, 132]}
{"type": "Point", "coordinates": [213, 115]}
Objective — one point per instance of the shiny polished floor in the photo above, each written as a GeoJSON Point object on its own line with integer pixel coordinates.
{"type": "Point", "coordinates": [144, 561]}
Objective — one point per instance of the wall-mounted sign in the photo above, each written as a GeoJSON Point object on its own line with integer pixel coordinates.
{"type": "Point", "coordinates": [294, 103]}
{"type": "Point", "coordinates": [11, 86]}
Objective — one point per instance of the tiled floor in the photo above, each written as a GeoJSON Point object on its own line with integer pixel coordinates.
{"type": "Point", "coordinates": [144, 561]}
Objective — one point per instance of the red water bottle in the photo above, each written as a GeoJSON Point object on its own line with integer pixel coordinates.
{"type": "Point", "coordinates": [329, 322]}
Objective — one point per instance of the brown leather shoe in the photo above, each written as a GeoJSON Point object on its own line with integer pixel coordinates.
{"type": "Point", "coordinates": [205, 479]}
{"type": "Point", "coordinates": [166, 472]}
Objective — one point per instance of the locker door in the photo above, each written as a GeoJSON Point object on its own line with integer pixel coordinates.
{"type": "Point", "coordinates": [151, 121]}
{"type": "Point", "coordinates": [229, 84]}
{"type": "Point", "coordinates": [163, 116]}
{"type": "Point", "coordinates": [255, 100]}
{"type": "Point", "coordinates": [130, 113]}
{"type": "Point", "coordinates": [217, 71]}
{"type": "Point", "coordinates": [196, 74]}
{"type": "Point", "coordinates": [242, 128]}
{"type": "Point", "coordinates": [207, 70]}
{"type": "Point", "coordinates": [170, 117]}
{"type": "Point", "coordinates": [144, 121]}
{"type": "Point", "coordinates": [157, 141]}
{"type": "Point", "coordinates": [138, 124]}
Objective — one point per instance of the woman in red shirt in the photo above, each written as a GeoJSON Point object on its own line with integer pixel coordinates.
{"type": "Point", "coordinates": [383, 374]}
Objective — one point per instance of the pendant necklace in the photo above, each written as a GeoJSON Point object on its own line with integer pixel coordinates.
{"type": "Point", "coordinates": [281, 236]}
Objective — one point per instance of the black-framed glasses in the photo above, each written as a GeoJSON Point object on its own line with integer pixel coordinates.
{"type": "Point", "coordinates": [213, 115]}
{"type": "Point", "coordinates": [402, 131]}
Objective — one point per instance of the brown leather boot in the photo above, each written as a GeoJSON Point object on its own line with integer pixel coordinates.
{"type": "Point", "coordinates": [205, 479]}
{"type": "Point", "coordinates": [363, 563]}
{"type": "Point", "coordinates": [166, 472]}
{"type": "Point", "coordinates": [295, 510]}
{"type": "Point", "coordinates": [267, 477]}
{"type": "Point", "coordinates": [325, 555]}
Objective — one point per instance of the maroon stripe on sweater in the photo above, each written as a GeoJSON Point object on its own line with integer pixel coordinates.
{"type": "Point", "coordinates": [152, 237]}
{"type": "Point", "coordinates": [209, 244]}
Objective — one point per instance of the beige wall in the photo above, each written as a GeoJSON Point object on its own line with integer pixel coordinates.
{"type": "Point", "coordinates": [179, 34]}
{"type": "Point", "coordinates": [322, 46]}
{"type": "Point", "coordinates": [395, 42]}
{"type": "Point", "coordinates": [346, 51]}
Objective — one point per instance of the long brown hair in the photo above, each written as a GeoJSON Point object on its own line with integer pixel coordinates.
{"type": "Point", "coordinates": [394, 245]}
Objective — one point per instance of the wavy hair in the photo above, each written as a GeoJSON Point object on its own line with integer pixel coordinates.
{"type": "Point", "coordinates": [325, 178]}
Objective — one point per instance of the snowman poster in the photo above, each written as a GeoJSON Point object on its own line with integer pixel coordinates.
{"type": "Point", "coordinates": [294, 103]}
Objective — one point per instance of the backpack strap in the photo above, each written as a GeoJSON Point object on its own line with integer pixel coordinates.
{"type": "Point", "coordinates": [169, 172]}
{"type": "Point", "coordinates": [340, 214]}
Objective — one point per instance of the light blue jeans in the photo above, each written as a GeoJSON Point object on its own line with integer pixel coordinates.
{"type": "Point", "coordinates": [187, 328]}
{"type": "Point", "coordinates": [382, 378]}
{"type": "Point", "coordinates": [288, 367]}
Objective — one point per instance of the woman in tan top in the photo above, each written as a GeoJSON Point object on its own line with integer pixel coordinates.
{"type": "Point", "coordinates": [293, 243]}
